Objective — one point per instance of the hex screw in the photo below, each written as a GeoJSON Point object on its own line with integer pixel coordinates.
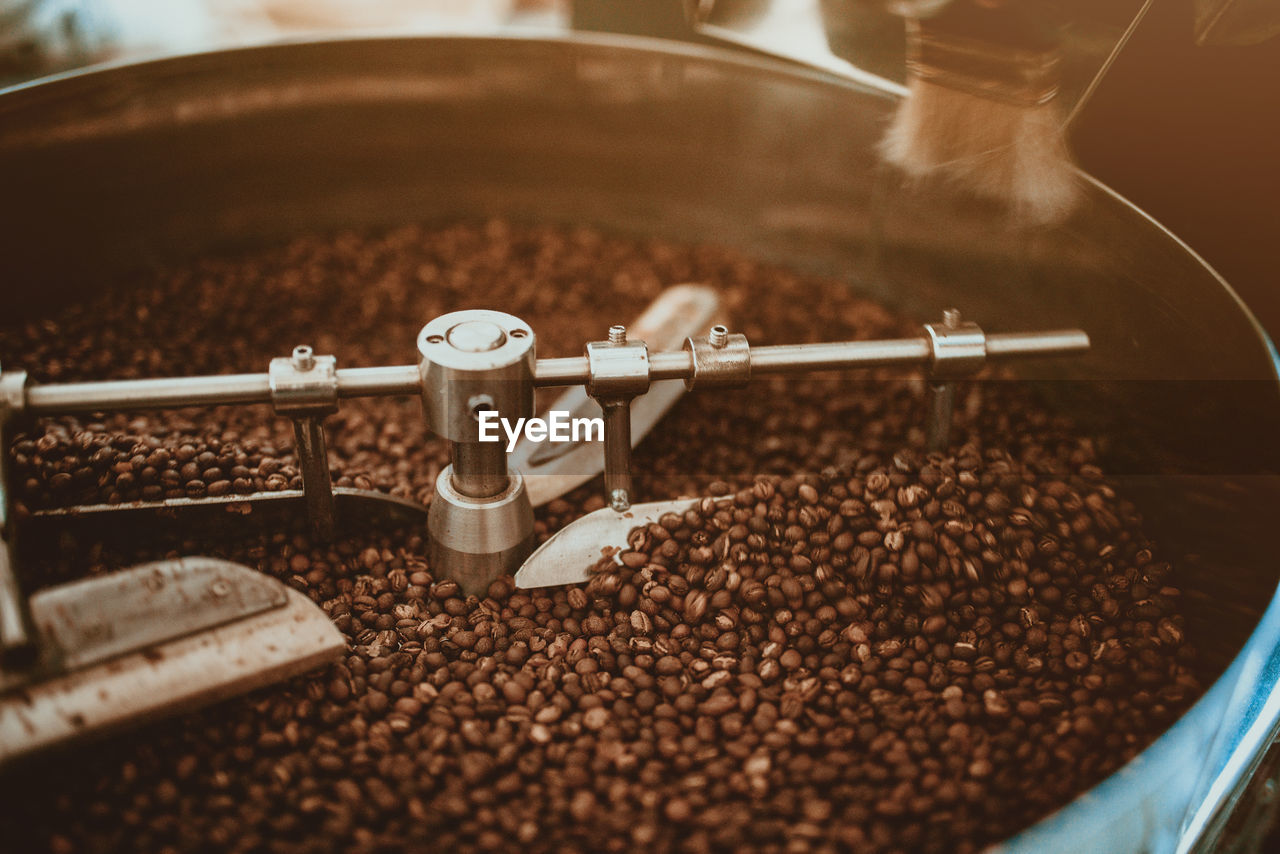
{"type": "Point", "coordinates": [719, 336]}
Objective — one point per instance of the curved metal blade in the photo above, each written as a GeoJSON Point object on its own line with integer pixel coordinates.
{"type": "Point", "coordinates": [552, 469]}
{"type": "Point", "coordinates": [568, 556]}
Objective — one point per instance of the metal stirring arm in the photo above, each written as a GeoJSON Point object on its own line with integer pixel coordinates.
{"type": "Point", "coordinates": [952, 350]}
{"type": "Point", "coordinates": [404, 381]}
{"type": "Point", "coordinates": [476, 361]}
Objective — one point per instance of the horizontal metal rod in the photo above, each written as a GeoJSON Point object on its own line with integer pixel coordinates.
{"type": "Point", "coordinates": [1054, 342]}
{"type": "Point", "coordinates": [379, 382]}
{"type": "Point", "coordinates": [167, 393]}
{"type": "Point", "coordinates": [178, 392]}
{"type": "Point", "coordinates": [836, 355]}
{"type": "Point", "coordinates": [791, 358]}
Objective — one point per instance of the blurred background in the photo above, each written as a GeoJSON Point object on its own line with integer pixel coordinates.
{"type": "Point", "coordinates": [1185, 122]}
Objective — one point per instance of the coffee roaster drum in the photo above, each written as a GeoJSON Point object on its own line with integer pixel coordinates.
{"type": "Point", "coordinates": [116, 168]}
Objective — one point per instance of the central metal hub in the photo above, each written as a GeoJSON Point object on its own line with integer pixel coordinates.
{"type": "Point", "coordinates": [477, 336]}
{"type": "Point", "coordinates": [476, 354]}
{"type": "Point", "coordinates": [481, 521]}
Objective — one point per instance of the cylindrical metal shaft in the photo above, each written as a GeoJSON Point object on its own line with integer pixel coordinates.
{"type": "Point", "coordinates": [617, 452]}
{"type": "Point", "coordinates": [388, 381]}
{"type": "Point", "coordinates": [166, 393]}
{"type": "Point", "coordinates": [393, 380]}
{"type": "Point", "coordinates": [479, 469]}
{"type": "Point", "coordinates": [18, 647]}
{"type": "Point", "coordinates": [942, 397]}
{"type": "Point", "coordinates": [836, 355]}
{"type": "Point", "coordinates": [313, 460]}
{"type": "Point", "coordinates": [790, 358]}
{"type": "Point", "coordinates": [17, 633]}
{"type": "Point", "coordinates": [475, 364]}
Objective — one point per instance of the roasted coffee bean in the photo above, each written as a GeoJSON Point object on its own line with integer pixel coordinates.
{"type": "Point", "coordinates": [868, 658]}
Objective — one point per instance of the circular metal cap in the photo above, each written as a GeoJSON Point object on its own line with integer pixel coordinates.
{"type": "Point", "coordinates": [476, 342]}
{"type": "Point", "coordinates": [474, 356]}
{"type": "Point", "coordinates": [477, 336]}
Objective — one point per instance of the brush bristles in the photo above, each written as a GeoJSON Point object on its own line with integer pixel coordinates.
{"type": "Point", "coordinates": [1014, 154]}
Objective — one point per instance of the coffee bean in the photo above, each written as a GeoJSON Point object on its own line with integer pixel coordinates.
{"type": "Point", "coordinates": [863, 658]}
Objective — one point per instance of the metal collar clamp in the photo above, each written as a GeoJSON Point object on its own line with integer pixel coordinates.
{"type": "Point", "coordinates": [618, 370]}
{"type": "Point", "coordinates": [959, 347]}
{"type": "Point", "coordinates": [304, 383]}
{"type": "Point", "coordinates": [304, 387]}
{"type": "Point", "coordinates": [959, 351]}
{"type": "Point", "coordinates": [719, 359]}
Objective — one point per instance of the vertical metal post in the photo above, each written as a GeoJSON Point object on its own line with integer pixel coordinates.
{"type": "Point", "coordinates": [617, 452]}
{"type": "Point", "coordinates": [959, 350]}
{"type": "Point", "coordinates": [317, 485]}
{"type": "Point", "coordinates": [480, 520]}
{"type": "Point", "coordinates": [480, 468]}
{"type": "Point", "coordinates": [619, 370]}
{"type": "Point", "coordinates": [18, 634]}
{"type": "Point", "coordinates": [942, 400]}
{"type": "Point", "coordinates": [304, 387]}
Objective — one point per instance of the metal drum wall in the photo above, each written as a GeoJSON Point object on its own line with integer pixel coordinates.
{"type": "Point", "coordinates": [108, 170]}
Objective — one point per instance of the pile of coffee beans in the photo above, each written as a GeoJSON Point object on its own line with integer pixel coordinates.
{"type": "Point", "coordinates": [862, 647]}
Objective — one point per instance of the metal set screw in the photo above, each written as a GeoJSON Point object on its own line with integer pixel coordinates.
{"type": "Point", "coordinates": [303, 358]}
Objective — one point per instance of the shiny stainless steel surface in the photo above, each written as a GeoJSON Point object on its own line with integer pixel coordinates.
{"type": "Point", "coordinates": [170, 159]}
{"type": "Point", "coordinates": [154, 654]}
{"type": "Point", "coordinates": [178, 392]}
{"type": "Point", "coordinates": [304, 387]}
{"type": "Point", "coordinates": [480, 520]}
{"type": "Point", "coordinates": [95, 619]}
{"type": "Point", "coordinates": [17, 628]}
{"type": "Point", "coordinates": [551, 470]}
{"type": "Point", "coordinates": [475, 540]}
{"type": "Point", "coordinates": [569, 555]}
